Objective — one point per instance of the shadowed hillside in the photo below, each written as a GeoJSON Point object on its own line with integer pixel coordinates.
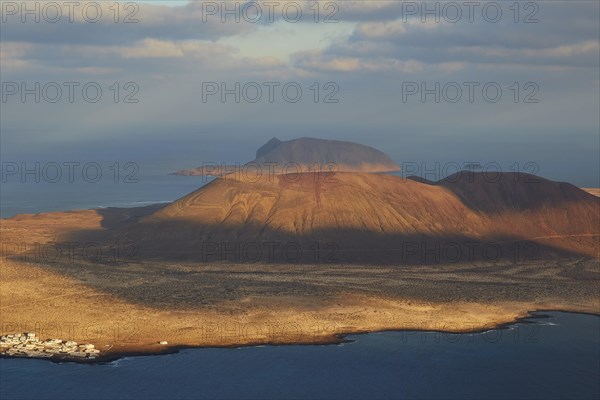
{"type": "Point", "coordinates": [594, 191]}
{"type": "Point", "coordinates": [499, 192]}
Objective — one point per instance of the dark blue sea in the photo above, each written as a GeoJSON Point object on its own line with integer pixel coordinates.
{"type": "Point", "coordinates": [556, 357]}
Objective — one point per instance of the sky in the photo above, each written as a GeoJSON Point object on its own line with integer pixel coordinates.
{"type": "Point", "coordinates": [382, 73]}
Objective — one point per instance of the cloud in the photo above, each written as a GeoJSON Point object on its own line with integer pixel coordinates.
{"type": "Point", "coordinates": [452, 47]}
{"type": "Point", "coordinates": [373, 49]}
{"type": "Point", "coordinates": [153, 48]}
{"type": "Point", "coordinates": [380, 30]}
{"type": "Point", "coordinates": [13, 55]}
{"type": "Point", "coordinates": [588, 47]}
{"type": "Point", "coordinates": [143, 20]}
{"type": "Point", "coordinates": [321, 62]}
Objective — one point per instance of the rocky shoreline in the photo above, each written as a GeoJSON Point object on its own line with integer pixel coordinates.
{"type": "Point", "coordinates": [336, 339]}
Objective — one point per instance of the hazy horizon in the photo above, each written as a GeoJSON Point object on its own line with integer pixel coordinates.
{"type": "Point", "coordinates": [372, 50]}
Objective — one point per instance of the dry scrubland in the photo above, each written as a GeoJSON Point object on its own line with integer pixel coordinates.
{"type": "Point", "coordinates": [129, 305]}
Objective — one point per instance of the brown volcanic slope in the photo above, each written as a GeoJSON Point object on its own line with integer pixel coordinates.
{"type": "Point", "coordinates": [376, 218]}
{"type": "Point", "coordinates": [495, 193]}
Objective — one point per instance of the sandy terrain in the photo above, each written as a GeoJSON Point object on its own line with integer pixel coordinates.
{"type": "Point", "coordinates": [129, 308]}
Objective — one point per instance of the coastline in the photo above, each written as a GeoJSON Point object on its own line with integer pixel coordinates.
{"type": "Point", "coordinates": [336, 339]}
{"type": "Point", "coordinates": [129, 309]}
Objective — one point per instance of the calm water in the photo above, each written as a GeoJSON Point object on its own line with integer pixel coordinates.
{"type": "Point", "coordinates": [556, 357]}
{"type": "Point", "coordinates": [30, 197]}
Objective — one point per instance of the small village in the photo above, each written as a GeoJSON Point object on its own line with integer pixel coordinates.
{"type": "Point", "coordinates": [29, 345]}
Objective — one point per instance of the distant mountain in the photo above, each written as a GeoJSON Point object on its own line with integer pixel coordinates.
{"type": "Point", "coordinates": [309, 154]}
{"type": "Point", "coordinates": [379, 218]}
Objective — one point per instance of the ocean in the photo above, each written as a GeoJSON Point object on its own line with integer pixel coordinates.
{"type": "Point", "coordinates": [556, 357]}
{"type": "Point", "coordinates": [27, 196]}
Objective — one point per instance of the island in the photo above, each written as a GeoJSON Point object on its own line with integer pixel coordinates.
{"type": "Point", "coordinates": [299, 258]}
